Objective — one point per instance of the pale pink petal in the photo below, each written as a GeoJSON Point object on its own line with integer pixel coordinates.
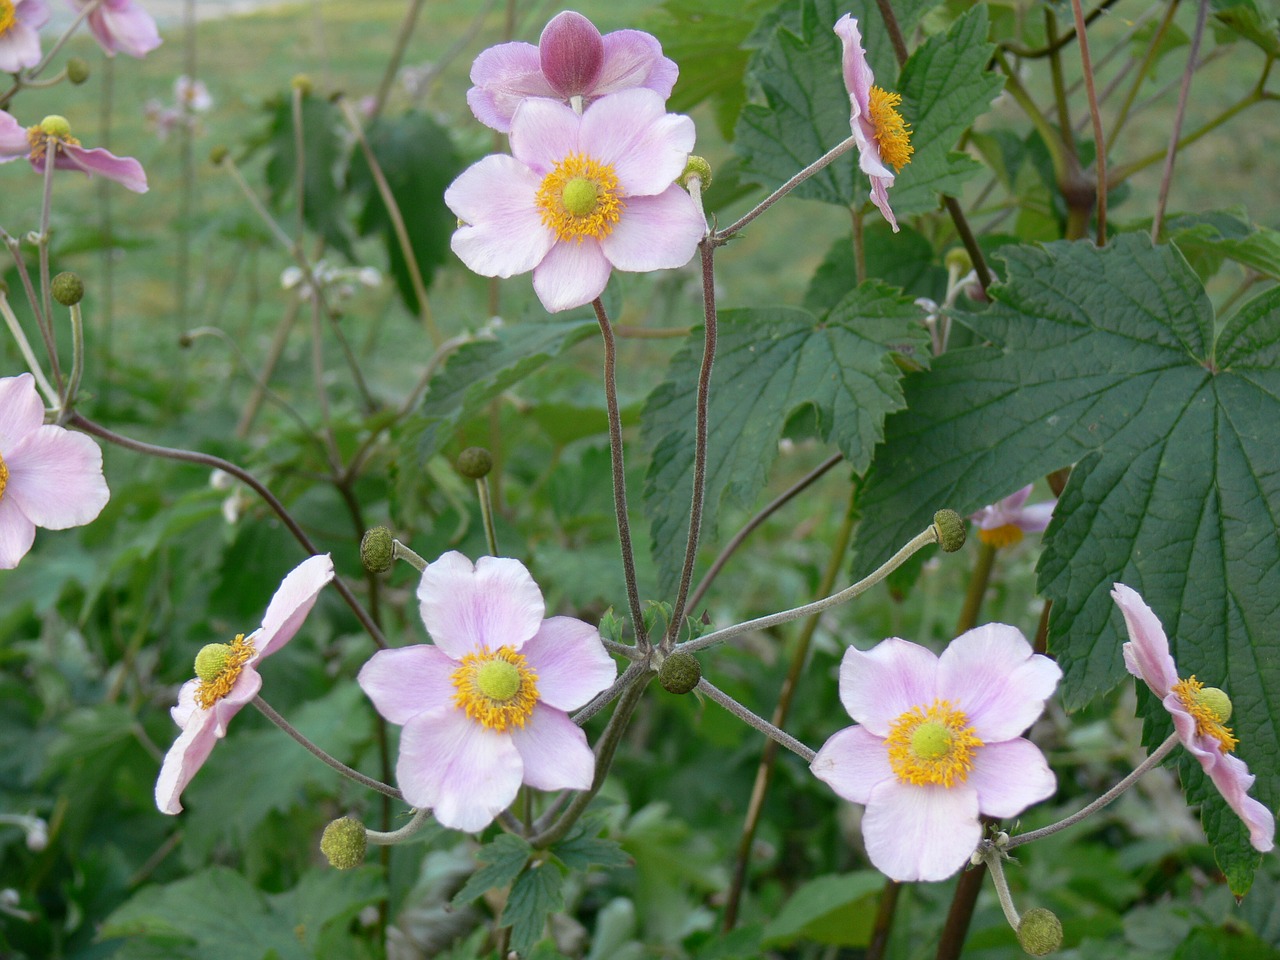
{"type": "Point", "coordinates": [554, 751]}
{"type": "Point", "coordinates": [1035, 518]}
{"type": "Point", "coordinates": [55, 477]}
{"type": "Point", "coordinates": [852, 762]}
{"type": "Point", "coordinates": [656, 233]}
{"type": "Point", "coordinates": [503, 234]}
{"type": "Point", "coordinates": [186, 707]}
{"type": "Point", "coordinates": [466, 773]}
{"type": "Point", "coordinates": [571, 54]}
{"type": "Point", "coordinates": [123, 25]}
{"type": "Point", "coordinates": [633, 58]}
{"type": "Point", "coordinates": [1146, 655]}
{"type": "Point", "coordinates": [543, 133]}
{"type": "Point", "coordinates": [571, 275]}
{"type": "Point", "coordinates": [467, 608]}
{"type": "Point", "coordinates": [920, 833]}
{"type": "Point", "coordinates": [880, 685]}
{"type": "Point", "coordinates": [1010, 777]}
{"type": "Point", "coordinates": [992, 675]}
{"type": "Point", "coordinates": [21, 409]}
{"type": "Point", "coordinates": [184, 760]}
{"type": "Point", "coordinates": [858, 77]}
{"type": "Point", "coordinates": [123, 170]}
{"type": "Point", "coordinates": [880, 197]}
{"type": "Point", "coordinates": [632, 132]}
{"type": "Point", "coordinates": [571, 662]}
{"type": "Point", "coordinates": [19, 47]}
{"type": "Point", "coordinates": [405, 681]}
{"type": "Point", "coordinates": [238, 697]}
{"type": "Point", "coordinates": [1232, 778]}
{"type": "Point", "coordinates": [17, 533]}
{"type": "Point", "coordinates": [292, 602]}
{"type": "Point", "coordinates": [13, 144]}
{"type": "Point", "coordinates": [504, 76]}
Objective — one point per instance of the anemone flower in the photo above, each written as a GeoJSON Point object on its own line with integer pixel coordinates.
{"type": "Point", "coordinates": [53, 134]}
{"type": "Point", "coordinates": [1003, 523]}
{"type": "Point", "coordinates": [49, 477]}
{"type": "Point", "coordinates": [122, 25]}
{"type": "Point", "coordinates": [572, 61]}
{"type": "Point", "coordinates": [484, 708]}
{"type": "Point", "coordinates": [20, 22]}
{"type": "Point", "coordinates": [881, 134]}
{"type": "Point", "coordinates": [938, 744]}
{"type": "Point", "coordinates": [227, 679]}
{"type": "Point", "coordinates": [1199, 714]}
{"type": "Point", "coordinates": [581, 195]}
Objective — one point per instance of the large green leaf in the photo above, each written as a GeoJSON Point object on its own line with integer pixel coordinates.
{"type": "Point", "coordinates": [1108, 357]}
{"type": "Point", "coordinates": [770, 363]}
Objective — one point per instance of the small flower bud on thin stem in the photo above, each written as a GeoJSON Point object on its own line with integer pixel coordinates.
{"type": "Point", "coordinates": [1040, 932]}
{"type": "Point", "coordinates": [680, 672]}
{"type": "Point", "coordinates": [377, 550]}
{"type": "Point", "coordinates": [218, 154]}
{"type": "Point", "coordinates": [77, 70]}
{"type": "Point", "coordinates": [951, 530]}
{"type": "Point", "coordinates": [344, 843]}
{"type": "Point", "coordinates": [475, 462]}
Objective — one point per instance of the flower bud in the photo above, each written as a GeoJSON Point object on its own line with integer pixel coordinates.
{"type": "Point", "coordinates": [343, 843]}
{"type": "Point", "coordinates": [958, 259]}
{"type": "Point", "coordinates": [67, 289]}
{"type": "Point", "coordinates": [572, 54]}
{"type": "Point", "coordinates": [77, 70]}
{"type": "Point", "coordinates": [302, 83]}
{"type": "Point", "coordinates": [1039, 932]}
{"type": "Point", "coordinates": [211, 660]}
{"type": "Point", "coordinates": [55, 126]}
{"type": "Point", "coordinates": [475, 463]}
{"type": "Point", "coordinates": [217, 155]}
{"type": "Point", "coordinates": [951, 530]}
{"type": "Point", "coordinates": [680, 672]}
{"type": "Point", "coordinates": [377, 550]}
{"type": "Point", "coordinates": [698, 167]}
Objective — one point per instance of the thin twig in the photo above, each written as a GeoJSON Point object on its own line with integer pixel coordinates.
{"type": "Point", "coordinates": [706, 688]}
{"type": "Point", "coordinates": [1166, 180]}
{"type": "Point", "coordinates": [1100, 161]}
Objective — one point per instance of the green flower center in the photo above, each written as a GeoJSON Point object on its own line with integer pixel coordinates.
{"type": "Point", "coordinates": [4, 470]}
{"type": "Point", "coordinates": [212, 660]}
{"type": "Point", "coordinates": [1211, 709]}
{"type": "Point", "coordinates": [932, 746]}
{"type": "Point", "coordinates": [931, 741]}
{"type": "Point", "coordinates": [7, 16]}
{"type": "Point", "coordinates": [499, 680]}
{"type": "Point", "coordinates": [218, 666]}
{"type": "Point", "coordinates": [496, 688]}
{"type": "Point", "coordinates": [580, 197]}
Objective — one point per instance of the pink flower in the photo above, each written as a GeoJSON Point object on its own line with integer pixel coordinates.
{"type": "Point", "coordinates": [1199, 714]}
{"type": "Point", "coordinates": [54, 133]}
{"type": "Point", "coordinates": [571, 60]}
{"type": "Point", "coordinates": [938, 744]}
{"type": "Point", "coordinates": [882, 136]}
{"type": "Point", "coordinates": [49, 477]}
{"type": "Point", "coordinates": [227, 679]}
{"type": "Point", "coordinates": [484, 707]}
{"type": "Point", "coordinates": [1002, 524]}
{"type": "Point", "coordinates": [20, 21]}
{"type": "Point", "coordinates": [580, 196]}
{"type": "Point", "coordinates": [122, 25]}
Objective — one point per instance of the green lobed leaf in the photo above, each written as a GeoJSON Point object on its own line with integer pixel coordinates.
{"type": "Point", "coordinates": [536, 894]}
{"type": "Point", "coordinates": [769, 363]}
{"type": "Point", "coordinates": [503, 859]}
{"type": "Point", "coordinates": [1106, 358]}
{"type": "Point", "coordinates": [583, 848]}
{"type": "Point", "coordinates": [904, 259]}
{"type": "Point", "coordinates": [1207, 239]}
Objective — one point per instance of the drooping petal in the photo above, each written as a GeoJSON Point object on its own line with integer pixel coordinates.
{"type": "Point", "coordinates": [992, 675]}
{"type": "Point", "coordinates": [920, 833]}
{"type": "Point", "coordinates": [55, 477]}
{"type": "Point", "coordinates": [632, 132]}
{"type": "Point", "coordinates": [184, 760]}
{"type": "Point", "coordinates": [466, 773]}
{"type": "Point", "coordinates": [123, 25]}
{"type": "Point", "coordinates": [503, 234]}
{"type": "Point", "coordinates": [405, 681]}
{"type": "Point", "coordinates": [13, 144]}
{"type": "Point", "coordinates": [17, 533]}
{"type": "Point", "coordinates": [571, 54]}
{"type": "Point", "coordinates": [543, 133]}
{"type": "Point", "coordinates": [880, 685]}
{"type": "Point", "coordinates": [123, 170]}
{"type": "Point", "coordinates": [656, 233]}
{"type": "Point", "coordinates": [571, 662]}
{"type": "Point", "coordinates": [852, 762]}
{"type": "Point", "coordinates": [504, 76]}
{"type": "Point", "coordinates": [493, 603]}
{"type": "Point", "coordinates": [1232, 778]}
{"type": "Point", "coordinates": [1146, 655]}
{"type": "Point", "coordinates": [880, 197]}
{"type": "Point", "coordinates": [554, 751]}
{"type": "Point", "coordinates": [238, 697]}
{"type": "Point", "coordinates": [633, 58]}
{"type": "Point", "coordinates": [571, 275]}
{"type": "Point", "coordinates": [21, 409]}
{"type": "Point", "coordinates": [1010, 777]}
{"type": "Point", "coordinates": [292, 602]}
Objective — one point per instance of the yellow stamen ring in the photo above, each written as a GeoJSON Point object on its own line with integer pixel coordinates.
{"type": "Point", "coordinates": [1205, 704]}
{"type": "Point", "coordinates": [893, 134]}
{"type": "Point", "coordinates": [8, 14]}
{"type": "Point", "coordinates": [580, 198]}
{"type": "Point", "coordinates": [1005, 536]}
{"type": "Point", "coordinates": [497, 688]}
{"type": "Point", "coordinates": [933, 745]}
{"type": "Point", "coordinates": [4, 477]}
{"type": "Point", "coordinates": [240, 651]}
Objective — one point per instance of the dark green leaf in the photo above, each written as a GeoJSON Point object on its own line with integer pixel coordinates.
{"type": "Point", "coordinates": [1206, 240]}
{"type": "Point", "coordinates": [504, 858]}
{"type": "Point", "coordinates": [904, 259]}
{"type": "Point", "coordinates": [836, 910]}
{"type": "Point", "coordinates": [537, 894]}
{"type": "Point", "coordinates": [1244, 20]}
{"type": "Point", "coordinates": [583, 848]}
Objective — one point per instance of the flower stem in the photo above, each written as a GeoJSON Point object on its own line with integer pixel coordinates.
{"type": "Point", "coordinates": [400, 552]}
{"type": "Point", "coordinates": [602, 700]}
{"type": "Point", "coordinates": [840, 149]}
{"type": "Point", "coordinates": [77, 363]}
{"type": "Point", "coordinates": [265, 709]}
{"type": "Point", "coordinates": [24, 347]}
{"type": "Point", "coordinates": [399, 836]}
{"type": "Point", "coordinates": [991, 855]}
{"type": "Point", "coordinates": [1166, 179]}
{"type": "Point", "coordinates": [486, 514]}
{"type": "Point", "coordinates": [760, 723]}
{"type": "Point", "coordinates": [1100, 162]}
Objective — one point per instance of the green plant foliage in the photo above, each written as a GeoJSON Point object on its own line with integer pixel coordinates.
{"type": "Point", "coordinates": [537, 893]}
{"type": "Point", "coordinates": [836, 910]}
{"type": "Point", "coordinates": [769, 364]}
{"type": "Point", "coordinates": [503, 858]}
{"type": "Point", "coordinates": [1206, 240]}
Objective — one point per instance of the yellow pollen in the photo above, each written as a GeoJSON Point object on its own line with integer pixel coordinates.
{"type": "Point", "coordinates": [496, 688]}
{"type": "Point", "coordinates": [1005, 536]}
{"type": "Point", "coordinates": [933, 745]}
{"type": "Point", "coordinates": [4, 477]}
{"type": "Point", "coordinates": [893, 134]}
{"type": "Point", "coordinates": [7, 15]}
{"type": "Point", "coordinates": [211, 691]}
{"type": "Point", "coordinates": [40, 138]}
{"type": "Point", "coordinates": [1207, 711]}
{"type": "Point", "coordinates": [580, 198]}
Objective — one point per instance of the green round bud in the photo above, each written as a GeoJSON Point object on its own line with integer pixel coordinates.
{"type": "Point", "coordinates": [1039, 932]}
{"type": "Point", "coordinates": [951, 530]}
{"type": "Point", "coordinates": [958, 259]}
{"type": "Point", "coordinates": [377, 550]}
{"type": "Point", "coordinates": [77, 70]}
{"type": "Point", "coordinates": [302, 83]}
{"type": "Point", "coordinates": [56, 126]}
{"type": "Point", "coordinates": [680, 672]}
{"type": "Point", "coordinates": [218, 154]}
{"type": "Point", "coordinates": [344, 842]}
{"type": "Point", "coordinates": [695, 167]}
{"type": "Point", "coordinates": [475, 462]}
{"type": "Point", "coordinates": [1216, 702]}
{"type": "Point", "coordinates": [68, 289]}
{"type": "Point", "coordinates": [212, 660]}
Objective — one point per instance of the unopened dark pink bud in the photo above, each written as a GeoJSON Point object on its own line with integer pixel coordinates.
{"type": "Point", "coordinates": [572, 54]}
